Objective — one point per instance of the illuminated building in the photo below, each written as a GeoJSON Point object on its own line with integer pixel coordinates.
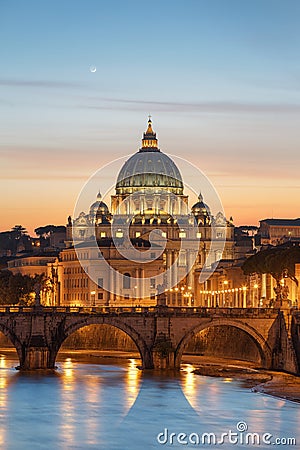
{"type": "Point", "coordinates": [277, 231]}
{"type": "Point", "coordinates": [150, 190]}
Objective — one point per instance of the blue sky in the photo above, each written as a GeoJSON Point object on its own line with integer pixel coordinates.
{"type": "Point", "coordinates": [220, 78]}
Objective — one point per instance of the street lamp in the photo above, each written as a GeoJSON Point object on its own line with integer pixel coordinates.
{"type": "Point", "coordinates": [244, 289]}
{"type": "Point", "coordinates": [93, 298]}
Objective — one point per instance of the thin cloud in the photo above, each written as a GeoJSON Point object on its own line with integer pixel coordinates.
{"type": "Point", "coordinates": [37, 83]}
{"type": "Point", "coordinates": [202, 107]}
{"type": "Point", "coordinates": [45, 177]}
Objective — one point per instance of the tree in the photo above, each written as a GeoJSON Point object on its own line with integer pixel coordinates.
{"type": "Point", "coordinates": [18, 231]}
{"type": "Point", "coordinates": [45, 231]}
{"type": "Point", "coordinates": [17, 289]}
{"type": "Point", "coordinates": [278, 261]}
{"type": "Point", "coordinates": [14, 240]}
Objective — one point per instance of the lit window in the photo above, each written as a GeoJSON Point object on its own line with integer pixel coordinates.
{"type": "Point", "coordinates": [137, 234]}
{"type": "Point", "coordinates": [164, 234]}
{"type": "Point", "coordinates": [182, 234]}
{"type": "Point", "coordinates": [152, 283]}
{"type": "Point", "coordinates": [198, 235]}
{"type": "Point", "coordinates": [119, 234]}
{"type": "Point", "coordinates": [103, 234]}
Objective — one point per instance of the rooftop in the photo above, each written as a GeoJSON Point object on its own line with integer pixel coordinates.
{"type": "Point", "coordinates": [282, 222]}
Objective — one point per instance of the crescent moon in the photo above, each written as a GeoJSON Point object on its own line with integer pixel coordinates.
{"type": "Point", "coordinates": [93, 69]}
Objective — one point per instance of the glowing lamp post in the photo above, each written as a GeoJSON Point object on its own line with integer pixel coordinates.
{"type": "Point", "coordinates": [244, 289]}
{"type": "Point", "coordinates": [93, 298]}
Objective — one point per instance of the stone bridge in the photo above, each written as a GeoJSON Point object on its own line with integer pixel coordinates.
{"type": "Point", "coordinates": [161, 334]}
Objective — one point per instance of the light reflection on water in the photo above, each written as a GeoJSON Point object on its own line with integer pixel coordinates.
{"type": "Point", "coordinates": [115, 406]}
{"type": "Point", "coordinates": [67, 425]}
{"type": "Point", "coordinates": [3, 401]}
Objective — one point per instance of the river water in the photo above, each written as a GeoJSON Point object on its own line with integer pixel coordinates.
{"type": "Point", "coordinates": [111, 405]}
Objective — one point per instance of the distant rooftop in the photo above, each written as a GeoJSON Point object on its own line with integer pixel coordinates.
{"type": "Point", "coordinates": [282, 222]}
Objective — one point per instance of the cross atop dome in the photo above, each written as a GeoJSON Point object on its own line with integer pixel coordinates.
{"type": "Point", "coordinates": [149, 141]}
{"type": "Point", "coordinates": [149, 129]}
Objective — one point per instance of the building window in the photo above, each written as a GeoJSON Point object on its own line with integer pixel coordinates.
{"type": "Point", "coordinates": [137, 234]}
{"type": "Point", "coordinates": [152, 296]}
{"type": "Point", "coordinates": [152, 283]}
{"type": "Point", "coordinates": [219, 235]}
{"type": "Point", "coordinates": [182, 234]}
{"type": "Point", "coordinates": [119, 234]}
{"type": "Point", "coordinates": [103, 234]}
{"type": "Point", "coordinates": [164, 234]}
{"type": "Point", "coordinates": [100, 295]}
{"type": "Point", "coordinates": [81, 233]}
{"type": "Point", "coordinates": [152, 255]}
{"type": "Point", "coordinates": [182, 258]}
{"type": "Point", "coordinates": [100, 283]}
{"type": "Point", "coordinates": [126, 281]}
{"type": "Point", "coordinates": [199, 235]}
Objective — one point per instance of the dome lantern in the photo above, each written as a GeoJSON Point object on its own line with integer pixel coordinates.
{"type": "Point", "coordinates": [149, 141]}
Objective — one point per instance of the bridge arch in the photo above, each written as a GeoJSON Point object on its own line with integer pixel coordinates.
{"type": "Point", "coordinates": [14, 340]}
{"type": "Point", "coordinates": [146, 356]}
{"type": "Point", "coordinates": [260, 342]}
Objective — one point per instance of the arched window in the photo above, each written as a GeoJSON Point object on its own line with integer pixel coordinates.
{"type": "Point", "coordinates": [126, 281]}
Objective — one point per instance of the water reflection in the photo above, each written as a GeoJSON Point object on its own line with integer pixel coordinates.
{"type": "Point", "coordinates": [115, 406]}
{"type": "Point", "coordinates": [133, 378]}
{"type": "Point", "coordinates": [3, 400]}
{"type": "Point", "coordinates": [188, 384]}
{"type": "Point", "coordinates": [2, 362]}
{"type": "Point", "coordinates": [68, 404]}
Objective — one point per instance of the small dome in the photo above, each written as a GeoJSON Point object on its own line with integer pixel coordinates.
{"type": "Point", "coordinates": [99, 207]}
{"type": "Point", "coordinates": [200, 208]}
{"type": "Point", "coordinates": [149, 168]}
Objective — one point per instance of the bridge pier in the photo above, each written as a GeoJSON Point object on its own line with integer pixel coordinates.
{"type": "Point", "coordinates": [36, 358]}
{"type": "Point", "coordinates": [163, 352]}
{"type": "Point", "coordinates": [161, 361]}
{"type": "Point", "coordinates": [36, 354]}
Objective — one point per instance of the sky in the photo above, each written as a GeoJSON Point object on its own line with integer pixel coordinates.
{"type": "Point", "coordinates": [221, 79]}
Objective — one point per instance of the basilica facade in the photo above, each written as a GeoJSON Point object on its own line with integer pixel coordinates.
{"type": "Point", "coordinates": [148, 245]}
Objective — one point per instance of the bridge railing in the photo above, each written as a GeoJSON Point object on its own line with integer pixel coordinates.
{"type": "Point", "coordinates": [162, 310]}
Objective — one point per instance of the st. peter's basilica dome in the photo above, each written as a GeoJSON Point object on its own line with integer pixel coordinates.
{"type": "Point", "coordinates": [149, 168]}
